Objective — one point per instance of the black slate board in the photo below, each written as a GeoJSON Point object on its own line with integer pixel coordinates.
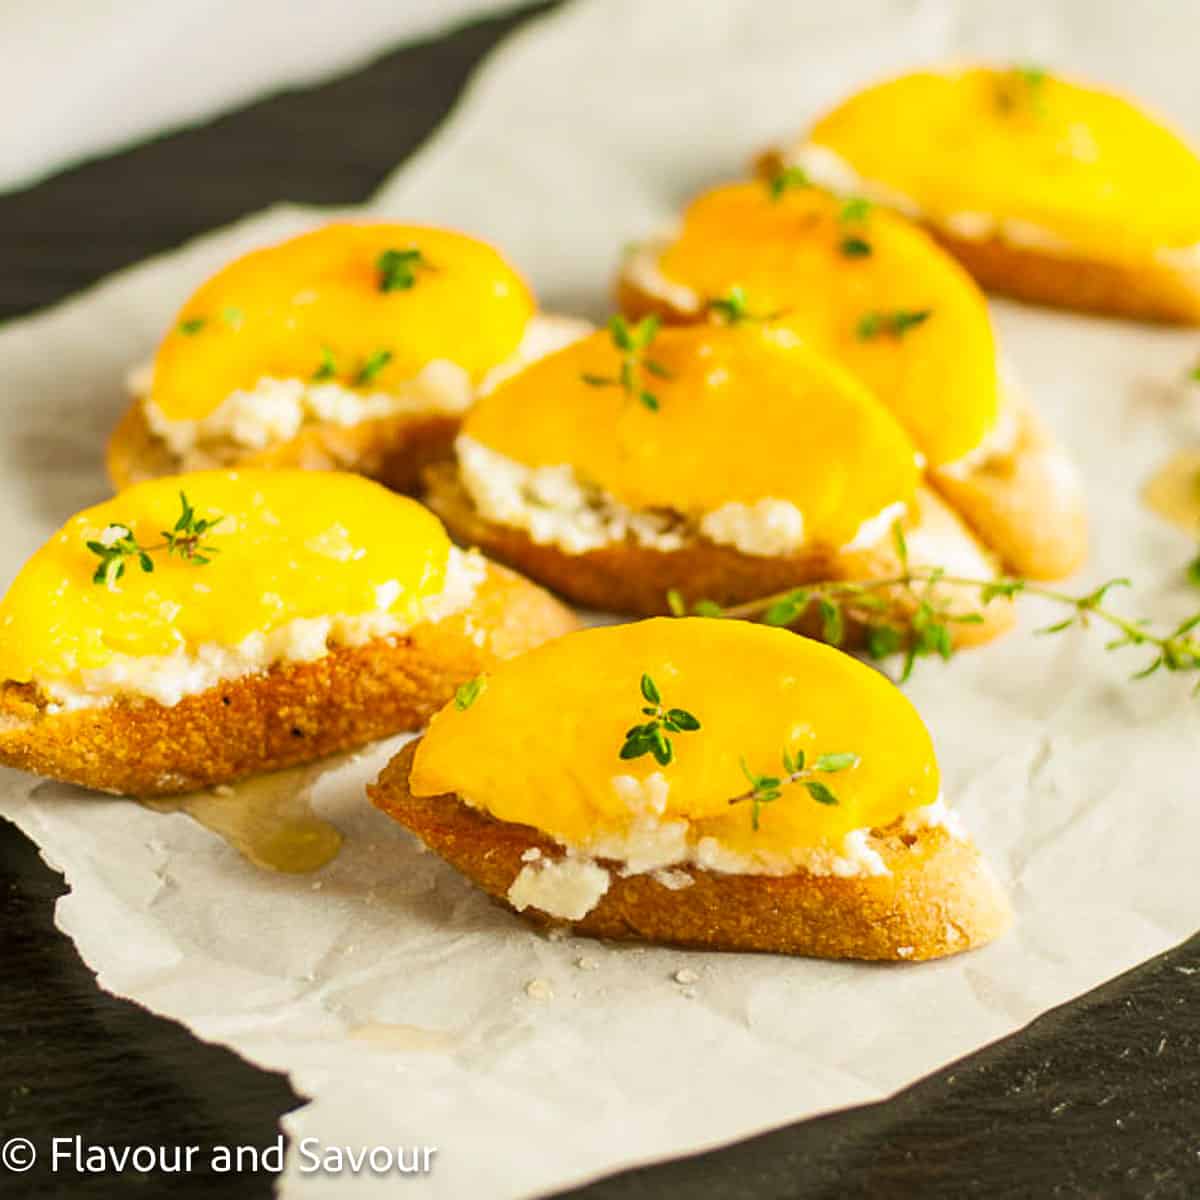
{"type": "Point", "coordinates": [1100, 1098]}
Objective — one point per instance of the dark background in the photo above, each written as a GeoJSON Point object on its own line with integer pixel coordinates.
{"type": "Point", "coordinates": [1100, 1098]}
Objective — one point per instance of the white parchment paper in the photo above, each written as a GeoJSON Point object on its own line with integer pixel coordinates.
{"type": "Point", "coordinates": [585, 130]}
{"type": "Point", "coordinates": [83, 78]}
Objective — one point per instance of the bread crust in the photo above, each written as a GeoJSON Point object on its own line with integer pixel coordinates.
{"type": "Point", "coordinates": [1157, 292]}
{"type": "Point", "coordinates": [941, 898]}
{"type": "Point", "coordinates": [1024, 499]}
{"type": "Point", "coordinates": [292, 713]}
{"type": "Point", "coordinates": [393, 450]}
{"type": "Point", "coordinates": [630, 578]}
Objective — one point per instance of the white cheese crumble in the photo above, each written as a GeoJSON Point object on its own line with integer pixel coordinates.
{"type": "Point", "coordinates": [168, 678]}
{"type": "Point", "coordinates": [570, 887]}
{"type": "Point", "coordinates": [937, 815]}
{"type": "Point", "coordinates": [554, 507]}
{"type": "Point", "coordinates": [275, 410]}
{"type": "Point", "coordinates": [769, 527]}
{"type": "Point", "coordinates": [567, 888]}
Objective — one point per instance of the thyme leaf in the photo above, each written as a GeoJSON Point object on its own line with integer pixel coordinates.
{"type": "Point", "coordinates": [375, 362]}
{"type": "Point", "coordinates": [467, 693]}
{"type": "Point", "coordinates": [398, 269]}
{"type": "Point", "coordinates": [785, 180]}
{"type": "Point", "coordinates": [892, 323]}
{"type": "Point", "coordinates": [327, 368]}
{"type": "Point", "coordinates": [734, 307]}
{"type": "Point", "coordinates": [766, 789]}
{"type": "Point", "coordinates": [651, 737]}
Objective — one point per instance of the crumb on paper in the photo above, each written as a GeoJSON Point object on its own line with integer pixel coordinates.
{"type": "Point", "coordinates": [557, 933]}
{"type": "Point", "coordinates": [587, 964]}
{"type": "Point", "coordinates": [539, 989]}
{"type": "Point", "coordinates": [686, 975]}
{"type": "Point", "coordinates": [222, 789]}
{"type": "Point", "coordinates": [317, 885]}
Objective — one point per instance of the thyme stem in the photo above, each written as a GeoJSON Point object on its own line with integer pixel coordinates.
{"type": "Point", "coordinates": [1176, 650]}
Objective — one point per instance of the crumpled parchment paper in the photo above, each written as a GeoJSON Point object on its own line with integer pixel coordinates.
{"type": "Point", "coordinates": [394, 994]}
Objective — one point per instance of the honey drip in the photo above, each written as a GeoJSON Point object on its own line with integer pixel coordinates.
{"type": "Point", "coordinates": [1174, 491]}
{"type": "Point", "coordinates": [269, 820]}
{"type": "Point", "coordinates": [404, 1037]}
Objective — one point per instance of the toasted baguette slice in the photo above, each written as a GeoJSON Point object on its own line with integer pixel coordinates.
{"type": "Point", "coordinates": [940, 898]}
{"type": "Point", "coordinates": [631, 578]}
{"type": "Point", "coordinates": [292, 713]}
{"type": "Point", "coordinates": [392, 450]}
{"type": "Point", "coordinates": [1023, 498]}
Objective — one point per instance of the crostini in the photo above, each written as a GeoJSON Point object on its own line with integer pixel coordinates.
{"type": "Point", "coordinates": [1047, 189]}
{"type": "Point", "coordinates": [718, 462]}
{"type": "Point", "coordinates": [204, 627]}
{"type": "Point", "coordinates": [702, 783]}
{"type": "Point", "coordinates": [877, 294]}
{"type": "Point", "coordinates": [355, 347]}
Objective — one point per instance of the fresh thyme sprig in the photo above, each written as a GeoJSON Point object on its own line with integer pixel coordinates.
{"type": "Point", "coordinates": [893, 323]}
{"type": "Point", "coordinates": [854, 243]}
{"type": "Point", "coordinates": [651, 737]}
{"type": "Point", "coordinates": [398, 269]}
{"type": "Point", "coordinates": [785, 180]}
{"type": "Point", "coordinates": [632, 342]}
{"type": "Point", "coordinates": [924, 630]}
{"type": "Point", "coordinates": [766, 789]}
{"type": "Point", "coordinates": [734, 307]}
{"type": "Point", "coordinates": [117, 544]}
{"type": "Point", "coordinates": [192, 325]}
